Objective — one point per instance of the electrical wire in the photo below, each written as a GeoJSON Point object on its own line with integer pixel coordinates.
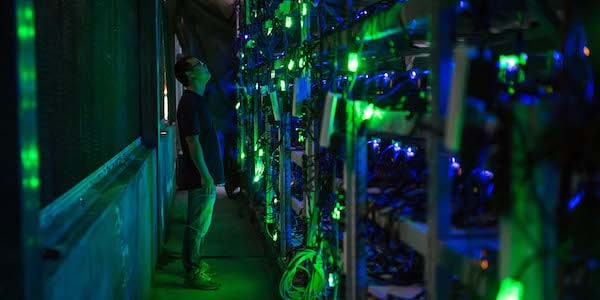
{"type": "Point", "coordinates": [310, 262]}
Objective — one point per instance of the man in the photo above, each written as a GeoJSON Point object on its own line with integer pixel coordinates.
{"type": "Point", "coordinates": [202, 164]}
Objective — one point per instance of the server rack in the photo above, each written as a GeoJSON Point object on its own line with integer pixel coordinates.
{"type": "Point", "coordinates": [450, 253]}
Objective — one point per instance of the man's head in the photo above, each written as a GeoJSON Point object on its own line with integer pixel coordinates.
{"type": "Point", "coordinates": [191, 71]}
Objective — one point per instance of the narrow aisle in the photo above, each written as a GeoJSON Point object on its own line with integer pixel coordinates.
{"type": "Point", "coordinates": [233, 250]}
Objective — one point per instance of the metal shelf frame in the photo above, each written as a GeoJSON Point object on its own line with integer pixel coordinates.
{"type": "Point", "coordinates": [447, 251]}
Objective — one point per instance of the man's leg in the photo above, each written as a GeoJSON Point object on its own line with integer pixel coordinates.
{"type": "Point", "coordinates": [199, 218]}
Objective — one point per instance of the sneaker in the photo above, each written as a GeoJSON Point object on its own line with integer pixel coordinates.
{"type": "Point", "coordinates": [201, 281]}
{"type": "Point", "coordinates": [206, 269]}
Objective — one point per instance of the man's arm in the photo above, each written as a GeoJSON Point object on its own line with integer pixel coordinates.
{"type": "Point", "coordinates": [197, 156]}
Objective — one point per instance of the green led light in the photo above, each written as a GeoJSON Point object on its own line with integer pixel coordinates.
{"type": "Point", "coordinates": [368, 113]}
{"type": "Point", "coordinates": [336, 214]}
{"type": "Point", "coordinates": [378, 113]}
{"type": "Point", "coordinates": [243, 155]}
{"type": "Point", "coordinates": [272, 74]}
{"type": "Point", "coordinates": [282, 85]}
{"type": "Point", "coordinates": [422, 95]}
{"type": "Point", "coordinates": [301, 62]}
{"type": "Point", "coordinates": [237, 105]}
{"type": "Point", "coordinates": [261, 152]}
{"type": "Point", "coordinates": [269, 25]}
{"type": "Point", "coordinates": [27, 107]}
{"type": "Point", "coordinates": [510, 289]}
{"type": "Point", "coordinates": [523, 59]}
{"type": "Point", "coordinates": [31, 183]}
{"type": "Point", "coordinates": [331, 280]}
{"type": "Point", "coordinates": [288, 22]}
{"type": "Point", "coordinates": [304, 9]}
{"type": "Point", "coordinates": [30, 158]}
{"type": "Point", "coordinates": [291, 64]}
{"type": "Point", "coordinates": [353, 62]}
{"type": "Point", "coordinates": [256, 86]}
{"type": "Point", "coordinates": [275, 237]}
{"type": "Point", "coordinates": [510, 61]}
{"type": "Point", "coordinates": [511, 90]}
{"type": "Point", "coordinates": [301, 139]}
{"type": "Point", "coordinates": [258, 171]}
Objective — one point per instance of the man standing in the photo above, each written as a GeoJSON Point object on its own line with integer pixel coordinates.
{"type": "Point", "coordinates": [203, 167]}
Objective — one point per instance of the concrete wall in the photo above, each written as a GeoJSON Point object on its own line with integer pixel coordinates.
{"type": "Point", "coordinates": [111, 251]}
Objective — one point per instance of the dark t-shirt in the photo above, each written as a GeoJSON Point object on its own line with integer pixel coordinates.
{"type": "Point", "coordinates": [193, 118]}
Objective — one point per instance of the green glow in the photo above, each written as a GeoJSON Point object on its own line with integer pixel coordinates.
{"type": "Point", "coordinates": [255, 148]}
{"type": "Point", "coordinates": [261, 152]}
{"type": "Point", "coordinates": [331, 280]}
{"type": "Point", "coordinates": [269, 26]}
{"type": "Point", "coordinates": [511, 90]}
{"type": "Point", "coordinates": [301, 138]}
{"type": "Point", "coordinates": [31, 183]}
{"type": "Point", "coordinates": [272, 74]}
{"type": "Point", "coordinates": [30, 157]}
{"type": "Point", "coordinates": [301, 62]}
{"type": "Point", "coordinates": [291, 65]}
{"type": "Point", "coordinates": [26, 26]}
{"type": "Point", "coordinates": [27, 102]}
{"type": "Point", "coordinates": [523, 59]}
{"type": "Point", "coordinates": [304, 9]}
{"type": "Point", "coordinates": [510, 289]}
{"type": "Point", "coordinates": [368, 113]}
{"type": "Point", "coordinates": [243, 155]}
{"type": "Point", "coordinates": [237, 105]}
{"type": "Point", "coordinates": [512, 60]}
{"type": "Point", "coordinates": [282, 85]}
{"type": "Point", "coordinates": [258, 171]}
{"type": "Point", "coordinates": [275, 237]}
{"type": "Point", "coordinates": [353, 62]}
{"type": "Point", "coordinates": [422, 95]}
{"type": "Point", "coordinates": [256, 86]}
{"type": "Point", "coordinates": [521, 76]}
{"type": "Point", "coordinates": [288, 22]}
{"type": "Point", "coordinates": [336, 214]}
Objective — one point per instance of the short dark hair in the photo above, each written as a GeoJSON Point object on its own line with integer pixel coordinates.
{"type": "Point", "coordinates": [181, 67]}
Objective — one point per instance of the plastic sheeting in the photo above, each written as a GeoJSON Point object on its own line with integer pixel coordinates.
{"type": "Point", "coordinates": [207, 30]}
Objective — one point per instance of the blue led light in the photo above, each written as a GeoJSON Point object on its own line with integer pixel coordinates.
{"type": "Point", "coordinates": [413, 74]}
{"type": "Point", "coordinates": [409, 152]}
{"type": "Point", "coordinates": [490, 189]}
{"type": "Point", "coordinates": [557, 55]}
{"type": "Point", "coordinates": [454, 163]}
{"type": "Point", "coordinates": [575, 200]}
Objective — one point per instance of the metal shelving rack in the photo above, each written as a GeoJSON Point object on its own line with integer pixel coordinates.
{"type": "Point", "coordinates": [447, 251]}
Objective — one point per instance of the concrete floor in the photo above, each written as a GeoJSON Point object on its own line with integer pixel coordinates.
{"type": "Point", "coordinates": [234, 250]}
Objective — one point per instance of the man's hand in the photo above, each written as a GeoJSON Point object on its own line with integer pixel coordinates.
{"type": "Point", "coordinates": [208, 185]}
